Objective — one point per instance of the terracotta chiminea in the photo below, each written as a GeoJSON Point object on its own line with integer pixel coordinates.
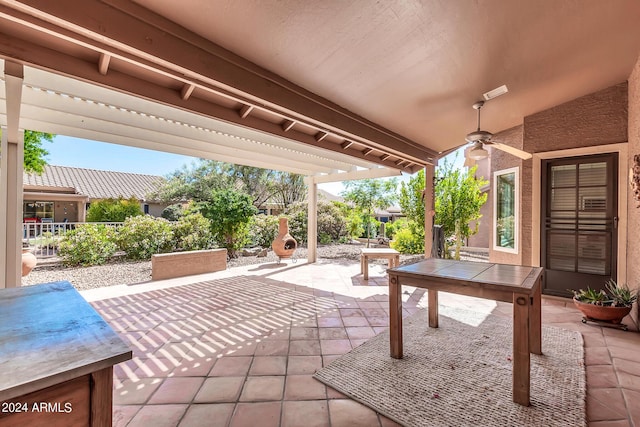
{"type": "Point", "coordinates": [284, 244]}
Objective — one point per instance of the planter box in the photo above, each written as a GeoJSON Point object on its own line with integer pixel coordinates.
{"type": "Point", "coordinates": [180, 264]}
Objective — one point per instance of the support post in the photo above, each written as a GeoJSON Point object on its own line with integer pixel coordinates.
{"type": "Point", "coordinates": [11, 167]}
{"type": "Point", "coordinates": [312, 219]}
{"type": "Point", "coordinates": [429, 206]}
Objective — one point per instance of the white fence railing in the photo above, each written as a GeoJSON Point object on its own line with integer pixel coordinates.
{"type": "Point", "coordinates": [43, 237]}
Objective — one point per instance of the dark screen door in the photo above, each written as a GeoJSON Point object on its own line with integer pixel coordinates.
{"type": "Point", "coordinates": [579, 232]}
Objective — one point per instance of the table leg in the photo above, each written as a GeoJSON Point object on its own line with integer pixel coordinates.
{"type": "Point", "coordinates": [521, 357]}
{"type": "Point", "coordinates": [433, 307]}
{"type": "Point", "coordinates": [361, 264]}
{"type": "Point", "coordinates": [395, 316]}
{"type": "Point", "coordinates": [102, 397]}
{"type": "Point", "coordinates": [535, 321]}
{"type": "Point", "coordinates": [365, 267]}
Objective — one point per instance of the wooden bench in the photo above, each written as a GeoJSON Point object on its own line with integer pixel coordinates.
{"type": "Point", "coordinates": [377, 253]}
{"type": "Point", "coordinates": [179, 264]}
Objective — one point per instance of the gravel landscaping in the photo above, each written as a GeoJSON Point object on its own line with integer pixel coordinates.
{"type": "Point", "coordinates": [128, 272]}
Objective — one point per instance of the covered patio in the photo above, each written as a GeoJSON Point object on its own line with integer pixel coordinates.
{"type": "Point", "coordinates": [334, 93]}
{"type": "Point", "coordinates": [239, 347]}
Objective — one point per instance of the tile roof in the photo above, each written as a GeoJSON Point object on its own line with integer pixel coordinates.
{"type": "Point", "coordinates": [97, 184]}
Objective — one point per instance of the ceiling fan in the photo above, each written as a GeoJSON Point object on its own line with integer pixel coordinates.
{"type": "Point", "coordinates": [479, 138]}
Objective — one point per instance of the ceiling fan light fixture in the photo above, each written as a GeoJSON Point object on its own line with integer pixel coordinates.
{"type": "Point", "coordinates": [478, 152]}
{"type": "Point", "coordinates": [495, 92]}
{"type": "Point", "coordinates": [479, 135]}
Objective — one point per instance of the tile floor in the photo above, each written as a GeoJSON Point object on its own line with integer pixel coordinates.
{"type": "Point", "coordinates": [238, 348]}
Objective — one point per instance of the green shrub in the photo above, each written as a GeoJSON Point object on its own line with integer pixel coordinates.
{"type": "Point", "coordinates": [142, 236]}
{"type": "Point", "coordinates": [113, 210]}
{"type": "Point", "coordinates": [297, 214]}
{"type": "Point", "coordinates": [88, 244]}
{"type": "Point", "coordinates": [390, 228]}
{"type": "Point", "coordinates": [230, 213]}
{"type": "Point", "coordinates": [407, 242]}
{"type": "Point", "coordinates": [263, 229]}
{"type": "Point", "coordinates": [193, 232]}
{"type": "Point", "coordinates": [173, 212]}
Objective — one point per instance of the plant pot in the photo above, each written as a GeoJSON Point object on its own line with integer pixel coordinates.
{"type": "Point", "coordinates": [29, 261]}
{"type": "Point", "coordinates": [602, 312]}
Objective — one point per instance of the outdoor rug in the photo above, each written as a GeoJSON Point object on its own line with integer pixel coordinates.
{"type": "Point", "coordinates": [460, 374]}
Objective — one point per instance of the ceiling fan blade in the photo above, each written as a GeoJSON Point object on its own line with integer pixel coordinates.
{"type": "Point", "coordinates": [511, 150]}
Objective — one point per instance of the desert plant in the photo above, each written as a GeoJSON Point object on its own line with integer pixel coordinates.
{"type": "Point", "coordinates": [173, 212]}
{"type": "Point", "coordinates": [88, 244]}
{"type": "Point", "coordinates": [263, 229]}
{"type": "Point", "coordinates": [591, 296]}
{"type": "Point", "coordinates": [407, 242]}
{"type": "Point", "coordinates": [142, 236]}
{"type": "Point", "coordinates": [620, 294]}
{"type": "Point", "coordinates": [193, 232]}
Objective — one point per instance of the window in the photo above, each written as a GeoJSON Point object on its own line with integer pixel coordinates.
{"type": "Point", "coordinates": [505, 210]}
{"type": "Point", "coordinates": [40, 210]}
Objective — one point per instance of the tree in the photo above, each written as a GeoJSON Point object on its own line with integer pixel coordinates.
{"type": "Point", "coordinates": [370, 194]}
{"type": "Point", "coordinates": [194, 182]}
{"type": "Point", "coordinates": [288, 188]}
{"type": "Point", "coordinates": [411, 239]}
{"type": "Point", "coordinates": [458, 200]}
{"type": "Point", "coordinates": [230, 213]}
{"type": "Point", "coordinates": [34, 152]}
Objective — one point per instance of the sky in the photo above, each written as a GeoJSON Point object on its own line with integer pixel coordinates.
{"type": "Point", "coordinates": [82, 153]}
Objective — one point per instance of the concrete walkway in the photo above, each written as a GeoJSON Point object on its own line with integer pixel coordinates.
{"type": "Point", "coordinates": [238, 347]}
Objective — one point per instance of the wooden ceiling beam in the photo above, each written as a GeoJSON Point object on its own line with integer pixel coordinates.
{"type": "Point", "coordinates": [152, 43]}
{"type": "Point", "coordinates": [103, 63]}
{"type": "Point", "coordinates": [186, 91]}
{"type": "Point", "coordinates": [245, 111]}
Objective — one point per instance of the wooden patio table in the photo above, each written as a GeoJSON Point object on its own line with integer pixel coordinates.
{"type": "Point", "coordinates": [500, 282]}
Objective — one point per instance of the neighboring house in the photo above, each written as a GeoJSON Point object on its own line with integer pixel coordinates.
{"type": "Point", "coordinates": [63, 194]}
{"type": "Point", "coordinates": [389, 214]}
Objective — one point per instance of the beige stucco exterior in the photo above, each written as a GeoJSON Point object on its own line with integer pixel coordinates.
{"type": "Point", "coordinates": [607, 121]}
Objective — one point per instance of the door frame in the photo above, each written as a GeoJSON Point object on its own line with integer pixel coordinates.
{"type": "Point", "coordinates": [623, 187]}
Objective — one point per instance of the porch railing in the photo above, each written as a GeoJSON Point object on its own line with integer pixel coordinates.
{"type": "Point", "coordinates": [42, 238]}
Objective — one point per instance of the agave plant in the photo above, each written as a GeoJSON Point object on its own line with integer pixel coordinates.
{"type": "Point", "coordinates": [620, 295]}
{"type": "Point", "coordinates": [591, 296]}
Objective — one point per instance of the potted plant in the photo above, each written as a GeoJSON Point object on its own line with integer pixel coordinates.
{"type": "Point", "coordinates": [609, 305]}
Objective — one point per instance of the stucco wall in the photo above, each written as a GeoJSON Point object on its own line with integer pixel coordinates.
{"type": "Point", "coordinates": [596, 119]}
{"type": "Point", "coordinates": [633, 212]}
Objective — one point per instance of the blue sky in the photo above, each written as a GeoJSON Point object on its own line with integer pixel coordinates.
{"type": "Point", "coordinates": [81, 153]}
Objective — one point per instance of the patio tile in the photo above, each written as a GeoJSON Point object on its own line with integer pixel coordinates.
{"type": "Point", "coordinates": [628, 366]}
{"type": "Point", "coordinates": [355, 321]}
{"type": "Point", "coordinates": [597, 356]}
{"type": "Point", "coordinates": [135, 392]}
{"type": "Point", "coordinates": [605, 404]}
{"type": "Point", "coordinates": [335, 394]}
{"type": "Point", "coordinates": [122, 414]}
{"type": "Point", "coordinates": [330, 322]}
{"type": "Point", "coordinates": [312, 413]}
{"type": "Point", "coordinates": [335, 346]}
{"type": "Point", "coordinates": [304, 348]}
{"type": "Point", "coordinates": [360, 332]}
{"type": "Point", "coordinates": [332, 333]}
{"type": "Point", "coordinates": [231, 366]}
{"type": "Point", "coordinates": [219, 389]}
{"type": "Point", "coordinates": [177, 390]}
{"type": "Point", "coordinates": [601, 376]}
{"type": "Point", "coordinates": [263, 414]}
{"type": "Point", "coordinates": [629, 381]}
{"type": "Point", "coordinates": [351, 312]}
{"type": "Point", "coordinates": [198, 367]}
{"type": "Point", "coordinates": [626, 353]}
{"type": "Point", "coordinates": [304, 387]}
{"type": "Point", "coordinates": [328, 358]}
{"type": "Point", "coordinates": [349, 413]}
{"type": "Point", "coordinates": [300, 365]}
{"type": "Point", "coordinates": [211, 415]}
{"type": "Point", "coordinates": [632, 398]}
{"type": "Point", "coordinates": [155, 367]}
{"type": "Point", "coordinates": [262, 388]}
{"type": "Point", "coordinates": [272, 348]}
{"type": "Point", "coordinates": [268, 365]}
{"type": "Point", "coordinates": [303, 334]}
{"type": "Point", "coordinates": [158, 416]}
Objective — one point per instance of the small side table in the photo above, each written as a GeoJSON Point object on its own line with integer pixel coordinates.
{"type": "Point", "coordinates": [377, 253]}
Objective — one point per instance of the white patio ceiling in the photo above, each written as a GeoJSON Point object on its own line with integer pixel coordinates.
{"type": "Point", "coordinates": [62, 105]}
